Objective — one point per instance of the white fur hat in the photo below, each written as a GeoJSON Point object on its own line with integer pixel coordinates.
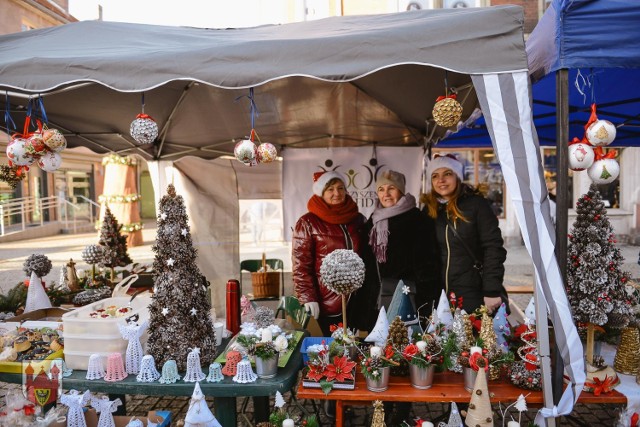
{"type": "Point", "coordinates": [444, 161]}
{"type": "Point", "coordinates": [320, 180]}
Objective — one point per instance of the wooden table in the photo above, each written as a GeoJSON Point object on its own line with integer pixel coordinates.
{"type": "Point", "coordinates": [224, 393]}
{"type": "Point", "coordinates": [447, 387]}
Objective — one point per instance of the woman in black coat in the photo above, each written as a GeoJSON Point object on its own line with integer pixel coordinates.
{"type": "Point", "coordinates": [469, 237]}
{"type": "Point", "coordinates": [404, 248]}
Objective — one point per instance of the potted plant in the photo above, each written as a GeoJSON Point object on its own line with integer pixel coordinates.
{"type": "Point", "coordinates": [265, 352]}
{"type": "Point", "coordinates": [376, 368]}
{"type": "Point", "coordinates": [327, 372]}
{"type": "Point", "coordinates": [423, 357]}
{"type": "Point", "coordinates": [495, 359]}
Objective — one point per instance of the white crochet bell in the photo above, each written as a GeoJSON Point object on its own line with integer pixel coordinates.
{"type": "Point", "coordinates": [135, 423]}
{"type": "Point", "coordinates": [169, 372]}
{"type": "Point", "coordinates": [105, 408]}
{"type": "Point", "coordinates": [194, 370]}
{"type": "Point", "coordinates": [148, 372]}
{"type": "Point", "coordinates": [95, 370]}
{"type": "Point", "coordinates": [215, 373]}
{"type": "Point", "coordinates": [244, 373]}
{"type": "Point", "coordinates": [133, 332]}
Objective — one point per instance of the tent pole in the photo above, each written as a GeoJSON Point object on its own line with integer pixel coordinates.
{"type": "Point", "coordinates": [562, 197]}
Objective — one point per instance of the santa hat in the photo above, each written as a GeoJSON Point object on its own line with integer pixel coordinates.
{"type": "Point", "coordinates": [320, 180]}
{"type": "Point", "coordinates": [444, 161]}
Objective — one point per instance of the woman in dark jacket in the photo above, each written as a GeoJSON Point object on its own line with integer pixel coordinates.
{"type": "Point", "coordinates": [404, 248]}
{"type": "Point", "coordinates": [473, 259]}
{"type": "Point", "coordinates": [333, 222]}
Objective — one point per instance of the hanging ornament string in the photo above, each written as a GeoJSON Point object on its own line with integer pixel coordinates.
{"type": "Point", "coordinates": [8, 120]}
{"type": "Point", "coordinates": [446, 89]}
{"type": "Point", "coordinates": [581, 83]}
{"type": "Point", "coordinates": [253, 109]}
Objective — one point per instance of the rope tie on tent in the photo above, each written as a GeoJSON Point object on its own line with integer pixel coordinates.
{"type": "Point", "coordinates": [8, 120]}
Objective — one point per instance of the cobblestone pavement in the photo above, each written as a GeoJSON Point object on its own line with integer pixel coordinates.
{"type": "Point", "coordinates": [60, 248]}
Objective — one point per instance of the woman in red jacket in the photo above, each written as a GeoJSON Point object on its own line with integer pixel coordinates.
{"type": "Point", "coordinates": [333, 222]}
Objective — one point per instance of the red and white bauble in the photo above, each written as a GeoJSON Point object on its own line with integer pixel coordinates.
{"type": "Point", "coordinates": [50, 161]}
{"type": "Point", "coordinates": [35, 145]}
{"type": "Point", "coordinates": [54, 140]}
{"type": "Point", "coordinates": [580, 156]}
{"type": "Point", "coordinates": [604, 171]}
{"type": "Point", "coordinates": [267, 153]}
{"type": "Point", "coordinates": [601, 133]}
{"type": "Point", "coordinates": [18, 154]}
{"type": "Point", "coordinates": [246, 152]}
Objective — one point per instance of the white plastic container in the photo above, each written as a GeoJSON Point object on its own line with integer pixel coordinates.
{"type": "Point", "coordinates": [85, 335]}
{"type": "Point", "coordinates": [79, 321]}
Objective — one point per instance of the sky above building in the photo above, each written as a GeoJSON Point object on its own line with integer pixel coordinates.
{"type": "Point", "coordinates": [194, 13]}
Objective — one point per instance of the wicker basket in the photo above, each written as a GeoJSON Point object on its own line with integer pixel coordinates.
{"type": "Point", "coordinates": [266, 285]}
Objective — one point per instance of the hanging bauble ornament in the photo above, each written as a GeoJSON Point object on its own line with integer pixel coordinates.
{"type": "Point", "coordinates": [581, 155]}
{"type": "Point", "coordinates": [50, 161]}
{"type": "Point", "coordinates": [54, 139]}
{"type": "Point", "coordinates": [35, 145]}
{"type": "Point", "coordinates": [604, 171]}
{"type": "Point", "coordinates": [447, 111]}
{"type": "Point", "coordinates": [601, 133]}
{"type": "Point", "coordinates": [17, 152]}
{"type": "Point", "coordinates": [605, 168]}
{"type": "Point", "coordinates": [246, 152]}
{"type": "Point", "coordinates": [144, 129]}
{"type": "Point", "coordinates": [267, 153]}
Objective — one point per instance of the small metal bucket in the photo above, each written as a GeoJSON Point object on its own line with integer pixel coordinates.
{"type": "Point", "coordinates": [267, 368]}
{"type": "Point", "coordinates": [421, 378]}
{"type": "Point", "coordinates": [379, 384]}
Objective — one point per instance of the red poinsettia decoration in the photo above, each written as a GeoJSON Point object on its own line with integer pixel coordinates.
{"type": "Point", "coordinates": [340, 370]}
{"type": "Point", "coordinates": [315, 373]}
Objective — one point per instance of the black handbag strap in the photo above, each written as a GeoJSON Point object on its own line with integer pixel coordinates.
{"type": "Point", "coordinates": [476, 263]}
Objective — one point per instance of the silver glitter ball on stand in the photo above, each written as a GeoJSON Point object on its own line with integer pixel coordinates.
{"type": "Point", "coordinates": [144, 129]}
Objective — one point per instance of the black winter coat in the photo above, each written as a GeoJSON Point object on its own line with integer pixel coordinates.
{"type": "Point", "coordinates": [412, 255]}
{"type": "Point", "coordinates": [482, 235]}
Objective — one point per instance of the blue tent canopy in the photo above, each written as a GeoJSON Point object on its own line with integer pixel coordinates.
{"type": "Point", "coordinates": [599, 42]}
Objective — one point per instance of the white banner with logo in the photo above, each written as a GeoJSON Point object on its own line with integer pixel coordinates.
{"type": "Point", "coordinates": [356, 164]}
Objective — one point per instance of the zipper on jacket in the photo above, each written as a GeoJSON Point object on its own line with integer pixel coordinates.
{"type": "Point", "coordinates": [347, 238]}
{"type": "Point", "coordinates": [446, 275]}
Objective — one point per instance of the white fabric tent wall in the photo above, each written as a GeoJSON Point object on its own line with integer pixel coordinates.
{"type": "Point", "coordinates": [211, 190]}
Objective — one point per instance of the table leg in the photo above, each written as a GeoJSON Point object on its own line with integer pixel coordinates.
{"type": "Point", "coordinates": [225, 410]}
{"type": "Point", "coordinates": [122, 409]}
{"type": "Point", "coordinates": [260, 408]}
{"type": "Point", "coordinates": [339, 414]}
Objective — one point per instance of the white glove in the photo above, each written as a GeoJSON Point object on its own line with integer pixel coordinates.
{"type": "Point", "coordinates": [313, 308]}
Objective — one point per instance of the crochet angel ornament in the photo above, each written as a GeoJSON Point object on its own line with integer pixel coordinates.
{"type": "Point", "coordinates": [132, 332]}
{"type": "Point", "coordinates": [105, 408]}
{"type": "Point", "coordinates": [75, 402]}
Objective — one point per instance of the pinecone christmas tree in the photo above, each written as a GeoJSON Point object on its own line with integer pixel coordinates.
{"type": "Point", "coordinates": [595, 282]}
{"type": "Point", "coordinates": [399, 338]}
{"type": "Point", "coordinates": [179, 311]}
{"type": "Point", "coordinates": [114, 244]}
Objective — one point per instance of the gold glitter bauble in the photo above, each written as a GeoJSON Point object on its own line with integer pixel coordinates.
{"type": "Point", "coordinates": [447, 112]}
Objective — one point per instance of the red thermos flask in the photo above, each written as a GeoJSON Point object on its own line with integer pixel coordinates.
{"type": "Point", "coordinates": [233, 306]}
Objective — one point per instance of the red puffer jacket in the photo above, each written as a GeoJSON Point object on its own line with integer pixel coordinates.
{"type": "Point", "coordinates": [313, 239]}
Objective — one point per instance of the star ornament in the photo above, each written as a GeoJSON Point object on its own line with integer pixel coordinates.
{"type": "Point", "coordinates": [170, 262]}
{"type": "Point", "coordinates": [184, 232]}
{"type": "Point", "coordinates": [165, 311]}
{"type": "Point", "coordinates": [163, 216]}
{"type": "Point", "coordinates": [194, 311]}
{"type": "Point", "coordinates": [406, 290]}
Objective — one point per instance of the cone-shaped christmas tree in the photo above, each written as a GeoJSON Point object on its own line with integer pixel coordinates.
{"type": "Point", "coordinates": [179, 311]}
{"type": "Point", "coordinates": [378, 414]}
{"type": "Point", "coordinates": [595, 281]}
{"type": "Point", "coordinates": [479, 413]}
{"type": "Point", "coordinates": [114, 244]}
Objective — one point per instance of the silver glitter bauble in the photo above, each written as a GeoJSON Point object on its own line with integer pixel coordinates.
{"type": "Point", "coordinates": [37, 263]}
{"type": "Point", "coordinates": [342, 271]}
{"type": "Point", "coordinates": [144, 129]}
{"type": "Point", "coordinates": [93, 254]}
